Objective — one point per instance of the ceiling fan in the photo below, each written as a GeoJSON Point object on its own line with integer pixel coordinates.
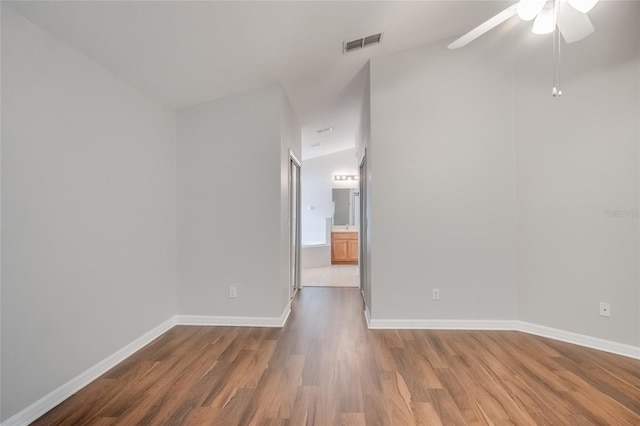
{"type": "Point", "coordinates": [566, 17]}
{"type": "Point", "coordinates": [570, 17]}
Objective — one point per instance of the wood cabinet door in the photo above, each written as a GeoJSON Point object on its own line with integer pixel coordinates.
{"type": "Point", "coordinates": [340, 251]}
{"type": "Point", "coordinates": [352, 250]}
{"type": "Point", "coordinates": [344, 247]}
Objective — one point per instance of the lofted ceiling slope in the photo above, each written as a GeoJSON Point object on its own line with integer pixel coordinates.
{"type": "Point", "coordinates": [188, 52]}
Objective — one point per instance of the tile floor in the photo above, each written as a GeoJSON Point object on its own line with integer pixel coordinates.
{"type": "Point", "coordinates": [331, 276]}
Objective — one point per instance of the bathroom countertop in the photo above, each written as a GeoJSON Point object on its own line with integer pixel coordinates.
{"type": "Point", "coordinates": [349, 228]}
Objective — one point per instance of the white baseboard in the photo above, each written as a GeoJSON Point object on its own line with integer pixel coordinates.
{"type": "Point", "coordinates": [441, 324]}
{"type": "Point", "coordinates": [522, 326]}
{"type": "Point", "coordinates": [234, 321]}
{"type": "Point", "coordinates": [580, 339]}
{"type": "Point", "coordinates": [58, 395]}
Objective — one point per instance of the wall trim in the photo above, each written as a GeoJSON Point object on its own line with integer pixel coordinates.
{"type": "Point", "coordinates": [438, 324]}
{"type": "Point", "coordinates": [209, 320]}
{"type": "Point", "coordinates": [55, 397]}
{"type": "Point", "coordinates": [580, 339]}
{"type": "Point", "coordinates": [509, 325]}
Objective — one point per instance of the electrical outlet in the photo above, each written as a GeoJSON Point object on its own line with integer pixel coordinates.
{"type": "Point", "coordinates": [232, 292]}
{"type": "Point", "coordinates": [436, 294]}
{"type": "Point", "coordinates": [605, 309]}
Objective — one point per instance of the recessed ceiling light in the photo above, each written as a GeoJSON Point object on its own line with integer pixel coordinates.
{"type": "Point", "coordinates": [325, 130]}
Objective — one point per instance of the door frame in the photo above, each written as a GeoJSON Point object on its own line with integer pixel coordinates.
{"type": "Point", "coordinates": [362, 235]}
{"type": "Point", "coordinates": [294, 224]}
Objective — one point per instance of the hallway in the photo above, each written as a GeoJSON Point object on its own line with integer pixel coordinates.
{"type": "Point", "coordinates": [331, 276]}
{"type": "Point", "coordinates": [326, 368]}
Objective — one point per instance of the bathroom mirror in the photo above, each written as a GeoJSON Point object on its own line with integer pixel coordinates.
{"type": "Point", "coordinates": [346, 206]}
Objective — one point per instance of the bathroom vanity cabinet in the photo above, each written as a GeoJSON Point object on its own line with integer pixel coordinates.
{"type": "Point", "coordinates": [344, 248]}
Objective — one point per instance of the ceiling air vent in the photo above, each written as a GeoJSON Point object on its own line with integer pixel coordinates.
{"type": "Point", "coordinates": [349, 46]}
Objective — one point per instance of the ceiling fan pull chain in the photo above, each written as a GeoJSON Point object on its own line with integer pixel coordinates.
{"type": "Point", "coordinates": [559, 41]}
{"type": "Point", "coordinates": [557, 89]}
{"type": "Point", "coordinates": [554, 91]}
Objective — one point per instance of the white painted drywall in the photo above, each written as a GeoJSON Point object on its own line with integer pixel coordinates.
{"type": "Point", "coordinates": [231, 195]}
{"type": "Point", "coordinates": [442, 213]}
{"type": "Point", "coordinates": [491, 165]}
{"type": "Point", "coordinates": [317, 185]}
{"type": "Point", "coordinates": [577, 158]}
{"type": "Point", "coordinates": [88, 219]}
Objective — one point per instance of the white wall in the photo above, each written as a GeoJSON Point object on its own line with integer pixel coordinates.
{"type": "Point", "coordinates": [231, 202]}
{"type": "Point", "coordinates": [88, 183]}
{"type": "Point", "coordinates": [491, 190]}
{"type": "Point", "coordinates": [443, 197]}
{"type": "Point", "coordinates": [578, 157]}
{"type": "Point", "coordinates": [317, 185]}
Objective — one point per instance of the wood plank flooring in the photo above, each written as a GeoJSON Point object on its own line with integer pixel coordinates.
{"type": "Point", "coordinates": [326, 368]}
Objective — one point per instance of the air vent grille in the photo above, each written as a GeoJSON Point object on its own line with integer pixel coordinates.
{"type": "Point", "coordinates": [353, 45]}
{"type": "Point", "coordinates": [349, 46]}
{"type": "Point", "coordinates": [372, 39]}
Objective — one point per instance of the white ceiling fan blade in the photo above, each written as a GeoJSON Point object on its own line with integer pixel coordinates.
{"type": "Point", "coordinates": [583, 6]}
{"type": "Point", "coordinates": [573, 25]}
{"type": "Point", "coordinates": [545, 23]}
{"type": "Point", "coordinates": [529, 9]}
{"type": "Point", "coordinates": [484, 27]}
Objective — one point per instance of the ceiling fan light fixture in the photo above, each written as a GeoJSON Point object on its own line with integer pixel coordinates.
{"type": "Point", "coordinates": [583, 6]}
{"type": "Point", "coordinates": [545, 23]}
{"type": "Point", "coordinates": [573, 25]}
{"type": "Point", "coordinates": [529, 9]}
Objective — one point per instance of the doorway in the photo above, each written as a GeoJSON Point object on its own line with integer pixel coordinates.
{"type": "Point", "coordinates": [364, 225]}
{"type": "Point", "coordinates": [330, 220]}
{"type": "Point", "coordinates": [294, 225]}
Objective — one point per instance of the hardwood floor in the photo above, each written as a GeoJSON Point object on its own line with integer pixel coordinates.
{"type": "Point", "coordinates": [326, 368]}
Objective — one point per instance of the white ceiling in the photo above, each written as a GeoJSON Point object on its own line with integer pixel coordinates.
{"type": "Point", "coordinates": [184, 53]}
